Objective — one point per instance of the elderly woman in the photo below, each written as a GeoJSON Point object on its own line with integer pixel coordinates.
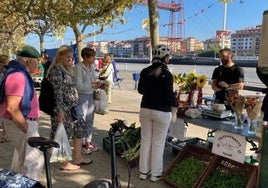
{"type": "Point", "coordinates": [62, 78]}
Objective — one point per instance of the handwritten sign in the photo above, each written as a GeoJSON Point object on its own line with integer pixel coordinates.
{"type": "Point", "coordinates": [229, 145]}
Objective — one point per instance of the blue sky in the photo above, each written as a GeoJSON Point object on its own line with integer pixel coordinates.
{"type": "Point", "coordinates": [202, 19]}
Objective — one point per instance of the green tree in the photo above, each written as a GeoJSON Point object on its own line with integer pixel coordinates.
{"type": "Point", "coordinates": [79, 15]}
{"type": "Point", "coordinates": [35, 17]}
{"type": "Point", "coordinates": [52, 17]}
{"type": "Point", "coordinates": [11, 29]}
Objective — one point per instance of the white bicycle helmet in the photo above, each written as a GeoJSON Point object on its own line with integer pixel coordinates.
{"type": "Point", "coordinates": [160, 51]}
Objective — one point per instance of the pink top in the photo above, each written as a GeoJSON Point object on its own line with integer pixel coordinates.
{"type": "Point", "coordinates": [14, 86]}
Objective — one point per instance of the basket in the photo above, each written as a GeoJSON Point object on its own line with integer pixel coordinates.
{"type": "Point", "coordinates": [227, 165]}
{"type": "Point", "coordinates": [107, 147]}
{"type": "Point", "coordinates": [189, 151]}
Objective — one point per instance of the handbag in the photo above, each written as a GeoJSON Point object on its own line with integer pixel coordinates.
{"type": "Point", "coordinates": [77, 112]}
{"type": "Point", "coordinates": [103, 76]}
{"type": "Point", "coordinates": [46, 97]}
{"type": "Point", "coordinates": [96, 95]}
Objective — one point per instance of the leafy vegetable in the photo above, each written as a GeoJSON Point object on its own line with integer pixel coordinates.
{"type": "Point", "coordinates": [225, 179]}
{"type": "Point", "coordinates": [186, 173]}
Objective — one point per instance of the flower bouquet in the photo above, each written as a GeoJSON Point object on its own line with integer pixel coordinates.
{"type": "Point", "coordinates": [188, 84]}
{"type": "Point", "coordinates": [237, 102]}
{"type": "Point", "coordinates": [253, 107]}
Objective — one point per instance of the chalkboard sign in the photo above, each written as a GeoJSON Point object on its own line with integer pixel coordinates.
{"type": "Point", "coordinates": [263, 165]}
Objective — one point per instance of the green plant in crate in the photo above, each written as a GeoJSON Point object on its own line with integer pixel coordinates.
{"type": "Point", "coordinates": [132, 153]}
{"type": "Point", "coordinates": [132, 137]}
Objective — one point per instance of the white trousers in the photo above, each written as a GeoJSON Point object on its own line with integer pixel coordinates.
{"type": "Point", "coordinates": [26, 159]}
{"type": "Point", "coordinates": [154, 128]}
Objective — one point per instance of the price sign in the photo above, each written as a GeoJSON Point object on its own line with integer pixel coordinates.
{"type": "Point", "coordinates": [229, 145]}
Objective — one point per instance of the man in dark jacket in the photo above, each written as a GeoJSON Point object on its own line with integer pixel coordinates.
{"type": "Point", "coordinates": [156, 86]}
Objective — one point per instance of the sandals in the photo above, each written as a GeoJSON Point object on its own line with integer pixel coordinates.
{"type": "Point", "coordinates": [70, 167]}
{"type": "Point", "coordinates": [84, 161]}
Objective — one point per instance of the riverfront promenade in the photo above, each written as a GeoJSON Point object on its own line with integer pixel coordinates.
{"type": "Point", "coordinates": [125, 105]}
{"type": "Point", "coordinates": [250, 72]}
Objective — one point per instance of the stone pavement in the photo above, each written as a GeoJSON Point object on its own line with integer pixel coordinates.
{"type": "Point", "coordinates": [125, 105]}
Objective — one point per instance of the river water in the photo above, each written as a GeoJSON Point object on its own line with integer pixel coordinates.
{"type": "Point", "coordinates": [250, 72]}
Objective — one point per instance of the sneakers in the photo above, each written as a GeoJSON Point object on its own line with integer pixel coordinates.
{"type": "Point", "coordinates": [143, 176]}
{"type": "Point", "coordinates": [92, 147]}
{"type": "Point", "coordinates": [152, 178]}
{"type": "Point", "coordinates": [88, 148]}
{"type": "Point", "coordinates": [155, 178]}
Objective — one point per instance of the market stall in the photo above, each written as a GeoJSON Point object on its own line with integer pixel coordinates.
{"type": "Point", "coordinates": [229, 130]}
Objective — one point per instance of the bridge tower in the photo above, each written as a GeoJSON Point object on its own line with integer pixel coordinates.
{"type": "Point", "coordinates": [175, 25]}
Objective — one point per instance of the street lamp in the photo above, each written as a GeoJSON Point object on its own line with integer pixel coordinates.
{"type": "Point", "coordinates": [224, 19]}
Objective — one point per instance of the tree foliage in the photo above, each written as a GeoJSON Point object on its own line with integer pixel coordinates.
{"type": "Point", "coordinates": [79, 15]}
{"type": "Point", "coordinates": [54, 16]}
{"type": "Point", "coordinates": [11, 28]}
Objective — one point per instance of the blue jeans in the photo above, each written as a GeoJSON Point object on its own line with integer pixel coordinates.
{"type": "Point", "coordinates": [87, 102]}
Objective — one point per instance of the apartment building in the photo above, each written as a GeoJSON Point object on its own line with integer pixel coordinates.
{"type": "Point", "coordinates": [191, 45]}
{"type": "Point", "coordinates": [246, 42]}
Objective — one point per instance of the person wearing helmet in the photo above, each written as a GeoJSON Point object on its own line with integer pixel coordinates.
{"type": "Point", "coordinates": [156, 87]}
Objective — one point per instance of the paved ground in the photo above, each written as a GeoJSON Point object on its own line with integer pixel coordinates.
{"type": "Point", "coordinates": [125, 105]}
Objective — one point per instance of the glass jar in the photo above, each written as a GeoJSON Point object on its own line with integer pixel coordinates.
{"type": "Point", "coordinates": [252, 125]}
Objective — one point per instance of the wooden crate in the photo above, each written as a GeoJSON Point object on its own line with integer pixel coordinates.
{"type": "Point", "coordinates": [223, 164]}
{"type": "Point", "coordinates": [179, 144]}
{"type": "Point", "coordinates": [189, 150]}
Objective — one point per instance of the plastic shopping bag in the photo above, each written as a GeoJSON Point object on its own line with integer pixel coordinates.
{"type": "Point", "coordinates": [64, 152]}
{"type": "Point", "coordinates": [101, 105]}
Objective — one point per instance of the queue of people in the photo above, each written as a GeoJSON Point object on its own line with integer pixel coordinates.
{"type": "Point", "coordinates": [74, 85]}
